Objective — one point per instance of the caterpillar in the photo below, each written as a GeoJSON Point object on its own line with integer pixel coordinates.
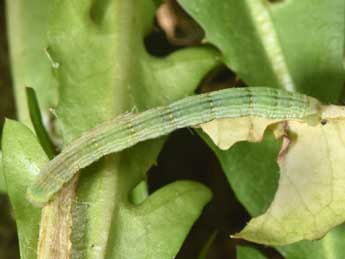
{"type": "Point", "coordinates": [129, 129]}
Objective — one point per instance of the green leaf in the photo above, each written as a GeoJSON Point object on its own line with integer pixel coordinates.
{"type": "Point", "coordinates": [260, 44]}
{"type": "Point", "coordinates": [22, 159]}
{"type": "Point", "coordinates": [3, 188]}
{"type": "Point", "coordinates": [27, 34]}
{"type": "Point", "coordinates": [310, 56]}
{"type": "Point", "coordinates": [158, 2]}
{"type": "Point", "coordinates": [139, 193]}
{"type": "Point", "coordinates": [331, 246]}
{"type": "Point", "coordinates": [245, 166]}
{"type": "Point", "coordinates": [157, 227]}
{"type": "Point", "coordinates": [246, 252]}
{"type": "Point", "coordinates": [104, 70]}
{"type": "Point", "coordinates": [36, 120]}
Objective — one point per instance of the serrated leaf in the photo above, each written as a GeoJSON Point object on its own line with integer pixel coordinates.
{"type": "Point", "coordinates": [103, 70]}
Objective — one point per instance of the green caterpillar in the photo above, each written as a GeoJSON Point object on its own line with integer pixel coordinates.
{"type": "Point", "coordinates": [129, 129]}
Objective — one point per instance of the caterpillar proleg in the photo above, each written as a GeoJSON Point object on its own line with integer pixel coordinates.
{"type": "Point", "coordinates": [127, 130]}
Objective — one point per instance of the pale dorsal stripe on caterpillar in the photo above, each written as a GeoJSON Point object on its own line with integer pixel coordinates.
{"type": "Point", "coordinates": [127, 130]}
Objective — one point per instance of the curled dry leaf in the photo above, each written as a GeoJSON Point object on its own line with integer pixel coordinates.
{"type": "Point", "coordinates": [310, 197]}
{"type": "Point", "coordinates": [226, 132]}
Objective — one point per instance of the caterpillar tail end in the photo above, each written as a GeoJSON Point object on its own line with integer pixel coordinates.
{"type": "Point", "coordinates": [36, 197]}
